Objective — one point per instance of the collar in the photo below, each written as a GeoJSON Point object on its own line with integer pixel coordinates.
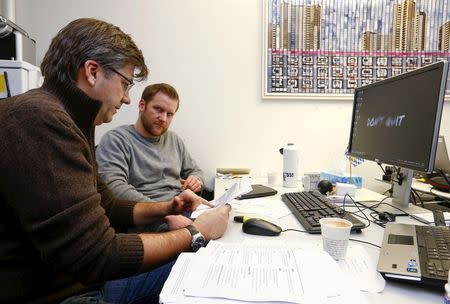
{"type": "Point", "coordinates": [81, 108]}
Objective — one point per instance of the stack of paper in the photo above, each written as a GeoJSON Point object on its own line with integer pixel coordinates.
{"type": "Point", "coordinates": [230, 273]}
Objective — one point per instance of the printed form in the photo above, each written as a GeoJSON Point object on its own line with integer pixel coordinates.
{"type": "Point", "coordinates": [232, 273]}
{"type": "Point", "coordinates": [252, 274]}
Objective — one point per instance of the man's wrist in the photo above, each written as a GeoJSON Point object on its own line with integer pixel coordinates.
{"type": "Point", "coordinates": [198, 240]}
{"type": "Point", "coordinates": [170, 209]}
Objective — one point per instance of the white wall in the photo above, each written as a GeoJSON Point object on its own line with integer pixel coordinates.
{"type": "Point", "coordinates": [210, 50]}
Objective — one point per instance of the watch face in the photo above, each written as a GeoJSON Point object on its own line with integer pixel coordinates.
{"type": "Point", "coordinates": [198, 241]}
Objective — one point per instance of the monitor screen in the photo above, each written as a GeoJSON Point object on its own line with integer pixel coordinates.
{"type": "Point", "coordinates": [396, 121]}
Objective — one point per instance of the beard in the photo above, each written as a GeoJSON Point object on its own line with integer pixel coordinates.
{"type": "Point", "coordinates": [152, 129]}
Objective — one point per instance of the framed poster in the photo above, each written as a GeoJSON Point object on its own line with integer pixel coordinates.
{"type": "Point", "coordinates": [324, 49]}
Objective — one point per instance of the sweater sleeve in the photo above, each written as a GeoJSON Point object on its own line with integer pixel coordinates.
{"type": "Point", "coordinates": [113, 155]}
{"type": "Point", "coordinates": [52, 190]}
{"type": "Point", "coordinates": [119, 212]}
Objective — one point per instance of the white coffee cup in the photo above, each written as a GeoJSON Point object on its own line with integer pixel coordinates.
{"type": "Point", "coordinates": [335, 235]}
{"type": "Point", "coordinates": [310, 181]}
{"type": "Point", "coordinates": [272, 177]}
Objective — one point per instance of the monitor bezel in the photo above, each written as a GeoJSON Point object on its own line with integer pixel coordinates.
{"type": "Point", "coordinates": [429, 167]}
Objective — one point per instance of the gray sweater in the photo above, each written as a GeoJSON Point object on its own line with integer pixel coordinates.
{"type": "Point", "coordinates": [144, 169]}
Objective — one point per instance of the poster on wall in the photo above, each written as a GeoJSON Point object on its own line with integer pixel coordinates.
{"type": "Point", "coordinates": [324, 49]}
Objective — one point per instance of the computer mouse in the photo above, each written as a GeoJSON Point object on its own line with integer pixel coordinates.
{"type": "Point", "coordinates": [260, 227]}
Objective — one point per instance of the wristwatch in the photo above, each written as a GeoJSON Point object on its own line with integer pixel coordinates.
{"type": "Point", "coordinates": [198, 240]}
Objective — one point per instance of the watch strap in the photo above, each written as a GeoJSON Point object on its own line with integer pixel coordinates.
{"type": "Point", "coordinates": [198, 240]}
{"type": "Point", "coordinates": [192, 230]}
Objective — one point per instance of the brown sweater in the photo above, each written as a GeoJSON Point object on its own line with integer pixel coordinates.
{"type": "Point", "coordinates": [57, 218]}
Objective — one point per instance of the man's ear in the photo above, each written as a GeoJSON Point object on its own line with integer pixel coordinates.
{"type": "Point", "coordinates": [90, 71]}
{"type": "Point", "coordinates": [141, 105]}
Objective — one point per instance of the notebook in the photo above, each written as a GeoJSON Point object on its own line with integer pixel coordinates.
{"type": "Point", "coordinates": [258, 191]}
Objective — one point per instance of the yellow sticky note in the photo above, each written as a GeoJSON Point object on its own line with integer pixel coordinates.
{"type": "Point", "coordinates": [2, 83]}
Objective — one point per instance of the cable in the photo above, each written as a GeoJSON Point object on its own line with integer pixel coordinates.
{"type": "Point", "coordinates": [412, 198]}
{"type": "Point", "coordinates": [292, 229]}
{"type": "Point", "coordinates": [400, 176]}
{"type": "Point", "coordinates": [359, 209]}
{"type": "Point", "coordinates": [354, 240]}
{"type": "Point", "coordinates": [368, 243]}
{"type": "Point", "coordinates": [418, 196]}
{"type": "Point", "coordinates": [444, 176]}
{"type": "Point", "coordinates": [382, 169]}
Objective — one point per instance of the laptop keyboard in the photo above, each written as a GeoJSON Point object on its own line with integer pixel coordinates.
{"type": "Point", "coordinates": [310, 206]}
{"type": "Point", "coordinates": [434, 251]}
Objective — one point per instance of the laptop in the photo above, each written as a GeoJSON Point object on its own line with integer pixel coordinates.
{"type": "Point", "coordinates": [442, 160]}
{"type": "Point", "coordinates": [258, 191]}
{"type": "Point", "coordinates": [415, 254]}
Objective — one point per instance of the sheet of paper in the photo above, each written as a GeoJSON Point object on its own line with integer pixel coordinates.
{"type": "Point", "coordinates": [261, 207]}
{"type": "Point", "coordinates": [428, 217]}
{"type": "Point", "coordinates": [247, 274]}
{"type": "Point", "coordinates": [361, 271]}
{"type": "Point", "coordinates": [173, 287]}
{"type": "Point", "coordinates": [241, 186]}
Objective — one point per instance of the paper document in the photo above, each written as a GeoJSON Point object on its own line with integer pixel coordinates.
{"type": "Point", "coordinates": [428, 217]}
{"type": "Point", "coordinates": [264, 207]}
{"type": "Point", "coordinates": [360, 270]}
{"type": "Point", "coordinates": [242, 186]}
{"type": "Point", "coordinates": [265, 272]}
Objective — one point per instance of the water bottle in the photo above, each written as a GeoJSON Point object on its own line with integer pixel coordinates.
{"type": "Point", "coordinates": [290, 165]}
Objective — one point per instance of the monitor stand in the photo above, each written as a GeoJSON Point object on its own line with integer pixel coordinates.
{"type": "Point", "coordinates": [399, 199]}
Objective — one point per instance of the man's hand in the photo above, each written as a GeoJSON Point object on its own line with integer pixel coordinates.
{"type": "Point", "coordinates": [213, 223]}
{"type": "Point", "coordinates": [191, 182]}
{"type": "Point", "coordinates": [187, 201]}
{"type": "Point", "coordinates": [177, 221]}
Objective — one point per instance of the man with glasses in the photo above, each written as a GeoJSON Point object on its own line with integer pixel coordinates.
{"type": "Point", "coordinates": [59, 223]}
{"type": "Point", "coordinates": [146, 161]}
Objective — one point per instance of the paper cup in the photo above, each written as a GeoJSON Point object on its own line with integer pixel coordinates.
{"type": "Point", "coordinates": [335, 235]}
{"type": "Point", "coordinates": [272, 177]}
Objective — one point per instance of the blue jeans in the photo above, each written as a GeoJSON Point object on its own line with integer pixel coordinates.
{"type": "Point", "coordinates": [143, 288]}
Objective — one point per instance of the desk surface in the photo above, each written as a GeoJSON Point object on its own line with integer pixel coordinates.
{"type": "Point", "coordinates": [393, 293]}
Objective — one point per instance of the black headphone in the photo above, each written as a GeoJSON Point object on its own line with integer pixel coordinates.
{"type": "Point", "coordinates": [325, 187]}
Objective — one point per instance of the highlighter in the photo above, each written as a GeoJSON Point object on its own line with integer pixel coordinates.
{"type": "Point", "coordinates": [241, 218]}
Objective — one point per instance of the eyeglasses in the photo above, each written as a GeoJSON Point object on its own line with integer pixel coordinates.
{"type": "Point", "coordinates": [126, 86]}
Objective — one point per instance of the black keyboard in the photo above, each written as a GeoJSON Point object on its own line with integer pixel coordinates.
{"type": "Point", "coordinates": [310, 206]}
{"type": "Point", "coordinates": [434, 252]}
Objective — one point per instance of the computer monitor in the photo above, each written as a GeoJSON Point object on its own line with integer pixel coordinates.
{"type": "Point", "coordinates": [396, 121]}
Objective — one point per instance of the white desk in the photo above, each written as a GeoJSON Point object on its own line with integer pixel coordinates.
{"type": "Point", "coordinates": [393, 293]}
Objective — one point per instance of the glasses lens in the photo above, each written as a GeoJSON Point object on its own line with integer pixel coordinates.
{"type": "Point", "coordinates": [127, 90]}
{"type": "Point", "coordinates": [129, 82]}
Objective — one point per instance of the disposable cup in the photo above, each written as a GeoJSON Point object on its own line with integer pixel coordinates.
{"type": "Point", "coordinates": [272, 177]}
{"type": "Point", "coordinates": [335, 235]}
